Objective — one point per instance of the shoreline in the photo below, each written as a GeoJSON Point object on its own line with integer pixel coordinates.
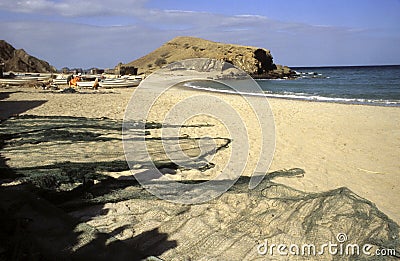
{"type": "Point", "coordinates": [274, 96]}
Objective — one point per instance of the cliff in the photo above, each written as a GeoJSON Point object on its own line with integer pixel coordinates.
{"type": "Point", "coordinates": [20, 61]}
{"type": "Point", "coordinates": [257, 62]}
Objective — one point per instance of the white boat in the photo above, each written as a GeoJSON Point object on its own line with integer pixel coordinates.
{"type": "Point", "coordinates": [60, 81]}
{"type": "Point", "coordinates": [131, 77]}
{"type": "Point", "coordinates": [119, 83]}
{"type": "Point", "coordinates": [32, 76]}
{"type": "Point", "coordinates": [114, 80]}
{"type": "Point", "coordinates": [40, 78]}
{"type": "Point", "coordinates": [85, 84]}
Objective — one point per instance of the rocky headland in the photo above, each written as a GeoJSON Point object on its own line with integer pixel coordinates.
{"type": "Point", "coordinates": [258, 62]}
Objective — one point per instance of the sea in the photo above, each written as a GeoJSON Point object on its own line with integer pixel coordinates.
{"type": "Point", "coordinates": [371, 85]}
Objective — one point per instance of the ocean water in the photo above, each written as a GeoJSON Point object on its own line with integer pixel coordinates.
{"type": "Point", "coordinates": [373, 85]}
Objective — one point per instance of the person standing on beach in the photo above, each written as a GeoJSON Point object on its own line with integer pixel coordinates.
{"type": "Point", "coordinates": [69, 78]}
{"type": "Point", "coordinates": [96, 84]}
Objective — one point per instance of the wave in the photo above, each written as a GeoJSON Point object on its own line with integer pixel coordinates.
{"type": "Point", "coordinates": [308, 97]}
{"type": "Point", "coordinates": [300, 96]}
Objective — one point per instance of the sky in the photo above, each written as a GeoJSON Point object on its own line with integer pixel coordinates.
{"type": "Point", "coordinates": [97, 33]}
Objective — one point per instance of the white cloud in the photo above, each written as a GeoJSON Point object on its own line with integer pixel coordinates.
{"type": "Point", "coordinates": [74, 8]}
{"type": "Point", "coordinates": [84, 45]}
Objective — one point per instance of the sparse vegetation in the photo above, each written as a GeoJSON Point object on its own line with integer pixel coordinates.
{"type": "Point", "coordinates": [160, 62]}
{"type": "Point", "coordinates": [165, 55]}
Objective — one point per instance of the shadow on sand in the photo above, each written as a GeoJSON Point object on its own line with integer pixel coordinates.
{"type": "Point", "coordinates": [35, 212]}
{"type": "Point", "coordinates": [10, 108]}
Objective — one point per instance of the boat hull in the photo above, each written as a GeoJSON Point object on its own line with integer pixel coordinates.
{"type": "Point", "coordinates": [85, 84]}
{"type": "Point", "coordinates": [119, 84]}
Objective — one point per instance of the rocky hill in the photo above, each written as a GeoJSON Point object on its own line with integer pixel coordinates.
{"type": "Point", "coordinates": [257, 62]}
{"type": "Point", "coordinates": [20, 61]}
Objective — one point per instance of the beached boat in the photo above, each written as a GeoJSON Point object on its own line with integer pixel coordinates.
{"type": "Point", "coordinates": [60, 81]}
{"type": "Point", "coordinates": [16, 79]}
{"type": "Point", "coordinates": [131, 77]}
{"type": "Point", "coordinates": [119, 83]}
{"type": "Point", "coordinates": [40, 78]}
{"type": "Point", "coordinates": [31, 77]}
{"type": "Point", "coordinates": [85, 84]}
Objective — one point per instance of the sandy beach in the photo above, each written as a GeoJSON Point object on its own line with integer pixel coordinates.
{"type": "Point", "coordinates": [336, 145]}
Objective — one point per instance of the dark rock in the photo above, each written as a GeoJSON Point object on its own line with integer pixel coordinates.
{"type": "Point", "coordinates": [265, 62]}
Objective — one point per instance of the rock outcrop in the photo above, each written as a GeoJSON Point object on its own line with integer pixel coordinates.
{"type": "Point", "coordinates": [20, 61]}
{"type": "Point", "coordinates": [257, 62]}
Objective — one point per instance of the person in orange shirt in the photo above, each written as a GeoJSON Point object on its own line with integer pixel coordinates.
{"type": "Point", "coordinates": [75, 80]}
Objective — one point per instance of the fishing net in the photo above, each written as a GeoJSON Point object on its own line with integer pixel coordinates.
{"type": "Point", "coordinates": [73, 163]}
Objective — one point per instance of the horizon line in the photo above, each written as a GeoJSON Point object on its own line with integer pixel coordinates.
{"type": "Point", "coordinates": [341, 66]}
{"type": "Point", "coordinates": [292, 67]}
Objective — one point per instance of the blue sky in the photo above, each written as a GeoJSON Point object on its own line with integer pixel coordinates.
{"type": "Point", "coordinates": [96, 33]}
